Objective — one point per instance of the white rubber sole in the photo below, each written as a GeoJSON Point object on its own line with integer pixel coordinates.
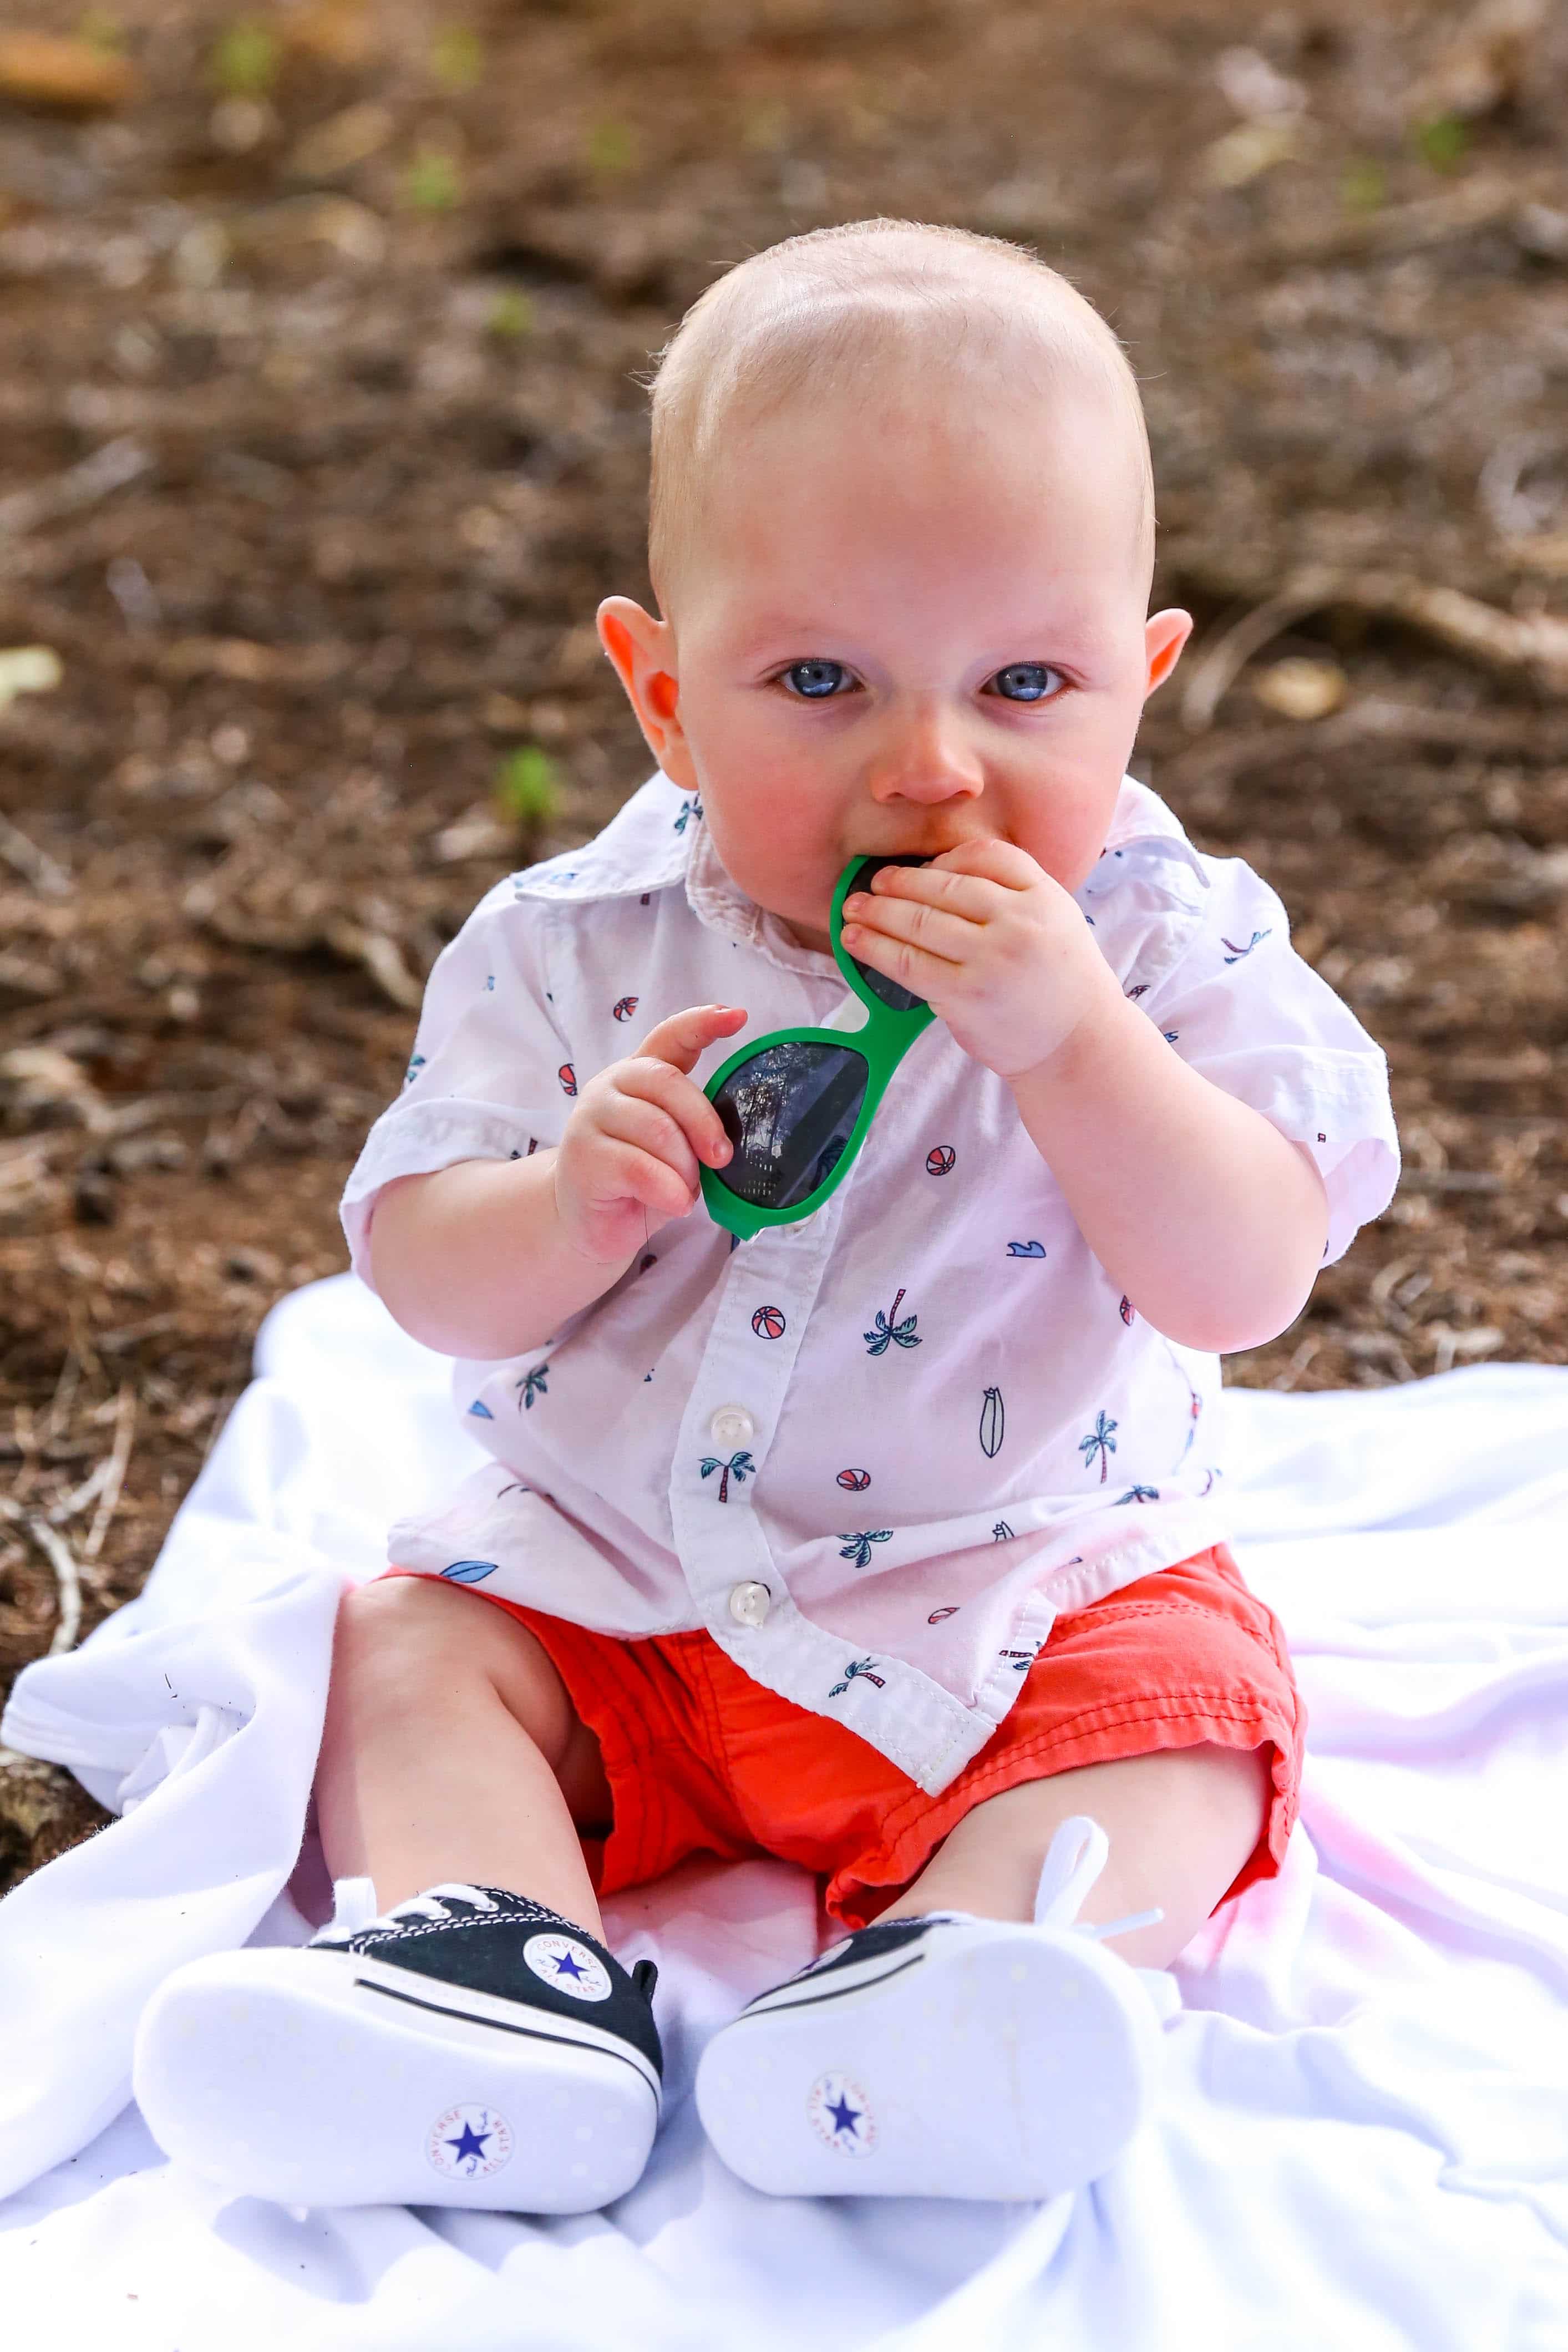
{"type": "Point", "coordinates": [991, 2062]}
{"type": "Point", "coordinates": [327, 2078]}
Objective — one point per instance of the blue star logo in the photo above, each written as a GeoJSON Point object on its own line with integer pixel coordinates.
{"type": "Point", "coordinates": [567, 1966]}
{"type": "Point", "coordinates": [469, 2143]}
{"type": "Point", "coordinates": [845, 2117]}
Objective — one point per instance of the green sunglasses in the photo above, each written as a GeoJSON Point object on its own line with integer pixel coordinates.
{"type": "Point", "coordinates": [797, 1103]}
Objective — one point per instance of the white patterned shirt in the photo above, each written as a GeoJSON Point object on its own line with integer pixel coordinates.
{"type": "Point", "coordinates": [874, 1453]}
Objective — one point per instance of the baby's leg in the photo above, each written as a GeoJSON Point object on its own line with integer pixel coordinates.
{"type": "Point", "coordinates": [480, 2047]}
{"type": "Point", "coordinates": [1181, 1824]}
{"type": "Point", "coordinates": [451, 1752]}
{"type": "Point", "coordinates": [976, 2057]}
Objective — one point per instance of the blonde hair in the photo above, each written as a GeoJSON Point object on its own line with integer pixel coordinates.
{"type": "Point", "coordinates": [829, 312]}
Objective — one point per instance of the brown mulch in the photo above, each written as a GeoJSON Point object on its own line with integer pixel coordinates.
{"type": "Point", "coordinates": [319, 444]}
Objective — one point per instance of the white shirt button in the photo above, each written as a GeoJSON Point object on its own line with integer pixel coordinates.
{"type": "Point", "coordinates": [732, 1425]}
{"type": "Point", "coordinates": [748, 1605]}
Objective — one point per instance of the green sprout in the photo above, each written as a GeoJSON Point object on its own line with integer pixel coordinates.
{"type": "Point", "coordinates": [431, 183]}
{"type": "Point", "coordinates": [1442, 142]}
{"type": "Point", "coordinates": [510, 317]}
{"type": "Point", "coordinates": [1363, 186]}
{"type": "Point", "coordinates": [526, 785]}
{"type": "Point", "coordinates": [609, 147]}
{"type": "Point", "coordinates": [244, 61]}
{"type": "Point", "coordinates": [457, 58]}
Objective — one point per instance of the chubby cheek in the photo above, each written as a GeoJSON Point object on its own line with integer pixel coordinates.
{"type": "Point", "coordinates": [1067, 844]}
{"type": "Point", "coordinates": [777, 852]}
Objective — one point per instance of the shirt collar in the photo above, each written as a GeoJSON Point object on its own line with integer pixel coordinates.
{"type": "Point", "coordinates": [719, 902]}
{"type": "Point", "coordinates": [1140, 819]}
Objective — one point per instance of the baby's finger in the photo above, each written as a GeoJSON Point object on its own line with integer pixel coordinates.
{"type": "Point", "coordinates": [904, 940]}
{"type": "Point", "coordinates": [635, 1119]}
{"type": "Point", "coordinates": [639, 1176]}
{"type": "Point", "coordinates": [684, 1037]}
{"type": "Point", "coordinates": [656, 1081]}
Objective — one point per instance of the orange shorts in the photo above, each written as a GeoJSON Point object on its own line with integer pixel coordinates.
{"type": "Point", "coordinates": [701, 1759]}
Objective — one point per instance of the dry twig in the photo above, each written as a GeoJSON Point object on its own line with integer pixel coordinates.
{"type": "Point", "coordinates": [68, 1578]}
{"type": "Point", "coordinates": [1535, 645]}
{"type": "Point", "coordinates": [124, 1428]}
{"type": "Point", "coordinates": [108, 469]}
{"type": "Point", "coordinates": [33, 864]}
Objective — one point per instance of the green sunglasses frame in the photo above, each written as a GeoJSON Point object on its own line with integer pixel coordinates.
{"type": "Point", "coordinates": [881, 1042]}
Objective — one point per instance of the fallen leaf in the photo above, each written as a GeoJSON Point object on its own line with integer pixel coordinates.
{"type": "Point", "coordinates": [65, 76]}
{"type": "Point", "coordinates": [1251, 149]}
{"type": "Point", "coordinates": [1302, 689]}
{"type": "Point", "coordinates": [342, 142]}
{"type": "Point", "coordinates": [28, 669]}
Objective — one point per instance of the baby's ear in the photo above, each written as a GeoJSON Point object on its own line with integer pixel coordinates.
{"type": "Point", "coordinates": [643, 652]}
{"type": "Point", "coordinates": [1165, 634]}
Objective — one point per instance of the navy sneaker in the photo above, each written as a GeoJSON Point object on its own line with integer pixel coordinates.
{"type": "Point", "coordinates": [467, 2047]}
{"type": "Point", "coordinates": [947, 2055]}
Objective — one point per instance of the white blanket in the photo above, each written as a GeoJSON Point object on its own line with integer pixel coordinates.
{"type": "Point", "coordinates": [1364, 2140]}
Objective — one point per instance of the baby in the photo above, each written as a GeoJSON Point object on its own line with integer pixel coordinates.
{"type": "Point", "coordinates": [889, 1541]}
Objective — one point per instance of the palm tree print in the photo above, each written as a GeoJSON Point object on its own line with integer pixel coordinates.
{"type": "Point", "coordinates": [1237, 952]}
{"type": "Point", "coordinates": [889, 1327]}
{"type": "Point", "coordinates": [858, 1667]}
{"type": "Point", "coordinates": [1140, 1495]}
{"type": "Point", "coordinates": [741, 1464]}
{"type": "Point", "coordinates": [531, 1384]}
{"type": "Point", "coordinates": [1099, 1441]}
{"type": "Point", "coordinates": [688, 809]}
{"type": "Point", "coordinates": [858, 1548]}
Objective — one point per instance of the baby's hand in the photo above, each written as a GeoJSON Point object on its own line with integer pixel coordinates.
{"type": "Point", "coordinates": [999, 950]}
{"type": "Point", "coordinates": [628, 1158]}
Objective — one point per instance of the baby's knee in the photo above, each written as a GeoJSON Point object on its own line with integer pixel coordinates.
{"type": "Point", "coordinates": [410, 1642]}
{"type": "Point", "coordinates": [394, 1629]}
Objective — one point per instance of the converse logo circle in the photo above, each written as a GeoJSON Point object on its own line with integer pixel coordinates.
{"type": "Point", "coordinates": [468, 2141]}
{"type": "Point", "coordinates": [563, 1961]}
{"type": "Point", "coordinates": [841, 2115]}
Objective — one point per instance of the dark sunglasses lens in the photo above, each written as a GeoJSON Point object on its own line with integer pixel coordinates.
{"type": "Point", "coordinates": [900, 1000]}
{"type": "Point", "coordinates": [789, 1112]}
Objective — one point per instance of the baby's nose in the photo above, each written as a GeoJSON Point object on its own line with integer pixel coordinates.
{"type": "Point", "coordinates": [927, 782]}
{"type": "Point", "coordinates": [922, 756]}
{"type": "Point", "coordinates": [925, 763]}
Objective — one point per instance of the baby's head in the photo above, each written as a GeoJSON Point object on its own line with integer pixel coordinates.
{"type": "Point", "coordinates": [902, 536]}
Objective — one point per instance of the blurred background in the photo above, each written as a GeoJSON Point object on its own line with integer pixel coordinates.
{"type": "Point", "coordinates": [319, 444]}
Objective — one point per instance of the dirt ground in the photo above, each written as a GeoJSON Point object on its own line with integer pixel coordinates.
{"type": "Point", "coordinates": [320, 441]}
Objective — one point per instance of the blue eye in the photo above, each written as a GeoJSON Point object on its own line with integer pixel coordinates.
{"type": "Point", "coordinates": [818, 679]}
{"type": "Point", "coordinates": [1028, 674]}
{"type": "Point", "coordinates": [817, 688]}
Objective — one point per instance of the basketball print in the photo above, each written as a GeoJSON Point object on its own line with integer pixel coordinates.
{"type": "Point", "coordinates": [939, 1159]}
{"type": "Point", "coordinates": [568, 1077]}
{"type": "Point", "coordinates": [623, 1007]}
{"type": "Point", "coordinates": [769, 1323]}
{"type": "Point", "coordinates": [857, 1481]}
{"type": "Point", "coordinates": [1128, 1309]}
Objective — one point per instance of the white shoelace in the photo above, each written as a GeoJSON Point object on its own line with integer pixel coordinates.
{"type": "Point", "coordinates": [429, 1905]}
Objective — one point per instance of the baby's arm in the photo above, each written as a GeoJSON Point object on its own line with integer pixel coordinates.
{"type": "Point", "coordinates": [489, 1258]}
{"type": "Point", "coordinates": [1210, 1221]}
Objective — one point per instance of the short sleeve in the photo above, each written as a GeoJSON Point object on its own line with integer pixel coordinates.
{"type": "Point", "coordinates": [490, 1076]}
{"type": "Point", "coordinates": [1245, 1010]}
